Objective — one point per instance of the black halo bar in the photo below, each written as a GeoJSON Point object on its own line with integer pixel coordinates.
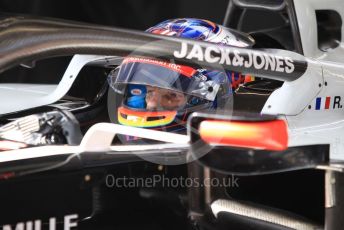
{"type": "Point", "coordinates": [24, 39]}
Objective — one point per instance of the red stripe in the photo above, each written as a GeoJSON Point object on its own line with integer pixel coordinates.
{"type": "Point", "coordinates": [327, 102]}
{"type": "Point", "coordinates": [185, 70]}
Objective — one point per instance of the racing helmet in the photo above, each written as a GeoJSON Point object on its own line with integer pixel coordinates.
{"type": "Point", "coordinates": [156, 94]}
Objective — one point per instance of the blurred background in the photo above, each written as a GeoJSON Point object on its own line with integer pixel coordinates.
{"type": "Point", "coordinates": [128, 14]}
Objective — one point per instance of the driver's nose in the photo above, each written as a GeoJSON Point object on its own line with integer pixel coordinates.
{"type": "Point", "coordinates": [153, 100]}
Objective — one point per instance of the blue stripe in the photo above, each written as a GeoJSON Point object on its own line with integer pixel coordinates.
{"type": "Point", "coordinates": [318, 103]}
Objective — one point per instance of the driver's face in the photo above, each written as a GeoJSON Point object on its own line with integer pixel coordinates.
{"type": "Point", "coordinates": [158, 98]}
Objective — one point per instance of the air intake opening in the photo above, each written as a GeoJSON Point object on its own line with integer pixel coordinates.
{"type": "Point", "coordinates": [329, 29]}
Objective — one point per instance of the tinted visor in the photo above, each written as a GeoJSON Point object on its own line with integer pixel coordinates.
{"type": "Point", "coordinates": [165, 75]}
{"type": "Point", "coordinates": [153, 98]}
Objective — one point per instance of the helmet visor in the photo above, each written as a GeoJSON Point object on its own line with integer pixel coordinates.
{"type": "Point", "coordinates": [165, 75]}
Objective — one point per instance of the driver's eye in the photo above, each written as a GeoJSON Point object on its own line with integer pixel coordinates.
{"type": "Point", "coordinates": [170, 96]}
{"type": "Point", "coordinates": [173, 95]}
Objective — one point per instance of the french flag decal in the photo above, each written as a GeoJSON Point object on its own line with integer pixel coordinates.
{"type": "Point", "coordinates": [322, 103]}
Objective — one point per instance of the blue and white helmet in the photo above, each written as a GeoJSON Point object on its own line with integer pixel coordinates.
{"type": "Point", "coordinates": [202, 30]}
{"type": "Point", "coordinates": [194, 88]}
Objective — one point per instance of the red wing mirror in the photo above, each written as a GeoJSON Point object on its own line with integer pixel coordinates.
{"type": "Point", "coordinates": [264, 135]}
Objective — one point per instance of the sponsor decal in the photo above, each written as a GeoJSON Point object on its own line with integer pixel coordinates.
{"type": "Point", "coordinates": [232, 41]}
{"type": "Point", "coordinates": [135, 118]}
{"type": "Point", "coordinates": [136, 92]}
{"type": "Point", "coordinates": [69, 222]}
{"type": "Point", "coordinates": [239, 58]}
{"type": "Point", "coordinates": [165, 32]}
{"type": "Point", "coordinates": [185, 70]}
{"type": "Point", "coordinates": [325, 103]}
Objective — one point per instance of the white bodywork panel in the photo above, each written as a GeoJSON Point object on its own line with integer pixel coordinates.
{"type": "Point", "coordinates": [25, 96]}
{"type": "Point", "coordinates": [323, 124]}
{"type": "Point", "coordinates": [16, 95]}
{"type": "Point", "coordinates": [293, 97]}
{"type": "Point", "coordinates": [306, 17]}
{"type": "Point", "coordinates": [313, 105]}
{"type": "Point", "coordinates": [98, 139]}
